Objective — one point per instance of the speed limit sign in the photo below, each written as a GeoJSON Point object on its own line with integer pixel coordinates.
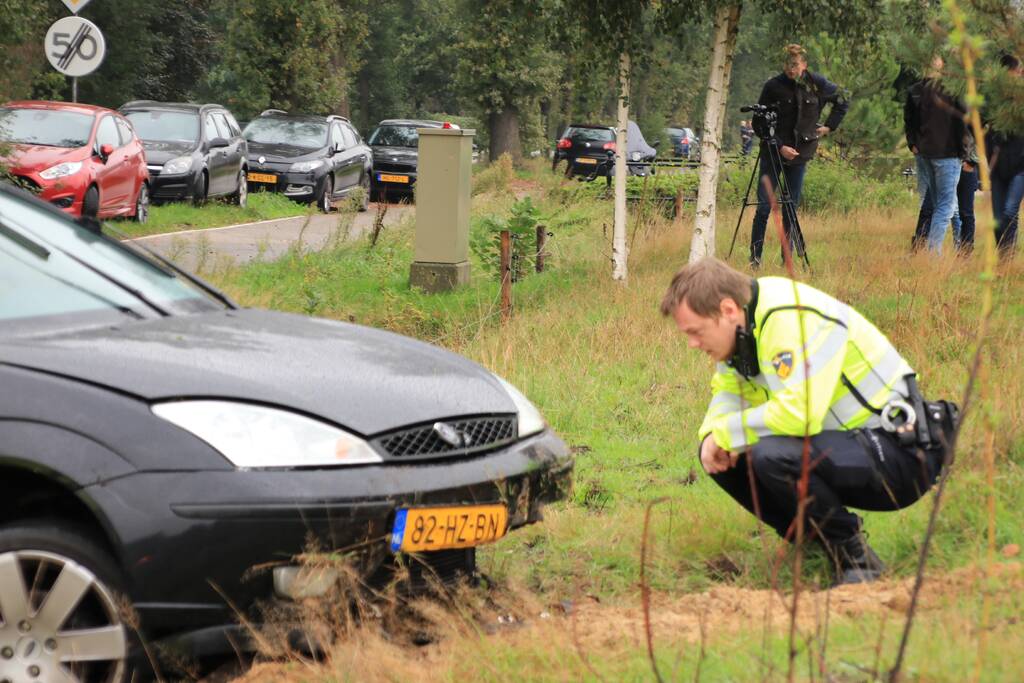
{"type": "Point", "coordinates": [75, 46]}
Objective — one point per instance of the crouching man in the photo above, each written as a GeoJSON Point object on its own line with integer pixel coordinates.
{"type": "Point", "coordinates": [794, 362]}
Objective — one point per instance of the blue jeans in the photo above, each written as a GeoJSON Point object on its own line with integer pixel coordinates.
{"type": "Point", "coordinates": [963, 219]}
{"type": "Point", "coordinates": [793, 177]}
{"type": "Point", "coordinates": [1006, 198]}
{"type": "Point", "coordinates": [941, 177]}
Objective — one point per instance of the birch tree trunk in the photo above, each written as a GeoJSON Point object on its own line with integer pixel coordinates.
{"type": "Point", "coordinates": [619, 248]}
{"type": "Point", "coordinates": [727, 22]}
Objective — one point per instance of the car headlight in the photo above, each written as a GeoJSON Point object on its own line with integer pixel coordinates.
{"type": "Point", "coordinates": [306, 166]}
{"type": "Point", "coordinates": [530, 420]}
{"type": "Point", "coordinates": [178, 165]}
{"type": "Point", "coordinates": [256, 436]}
{"type": "Point", "coordinates": [61, 170]}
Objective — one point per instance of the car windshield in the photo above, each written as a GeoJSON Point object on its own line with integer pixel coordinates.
{"type": "Point", "coordinates": [165, 126]}
{"type": "Point", "coordinates": [273, 130]}
{"type": "Point", "coordinates": [591, 135]}
{"type": "Point", "coordinates": [675, 134]}
{"type": "Point", "coordinates": [44, 280]}
{"type": "Point", "coordinates": [45, 127]}
{"type": "Point", "coordinates": [395, 136]}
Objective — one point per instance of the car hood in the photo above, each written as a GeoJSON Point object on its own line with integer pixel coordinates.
{"type": "Point", "coordinates": [284, 152]}
{"type": "Point", "coordinates": [366, 380]}
{"type": "Point", "coordinates": [26, 159]}
{"type": "Point", "coordinates": [402, 154]}
{"type": "Point", "coordinates": [161, 151]}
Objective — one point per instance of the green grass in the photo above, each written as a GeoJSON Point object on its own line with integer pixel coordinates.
{"type": "Point", "coordinates": [618, 384]}
{"type": "Point", "coordinates": [175, 216]}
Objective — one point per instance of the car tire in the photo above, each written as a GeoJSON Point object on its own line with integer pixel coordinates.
{"type": "Point", "coordinates": [364, 205]}
{"type": "Point", "coordinates": [91, 202]}
{"type": "Point", "coordinates": [61, 560]}
{"type": "Point", "coordinates": [201, 189]}
{"type": "Point", "coordinates": [142, 204]}
{"type": "Point", "coordinates": [241, 196]}
{"type": "Point", "coordinates": [325, 202]}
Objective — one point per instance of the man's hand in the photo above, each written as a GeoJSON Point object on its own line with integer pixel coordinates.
{"type": "Point", "coordinates": [715, 459]}
{"type": "Point", "coordinates": [823, 131]}
{"type": "Point", "coordinates": [788, 153]}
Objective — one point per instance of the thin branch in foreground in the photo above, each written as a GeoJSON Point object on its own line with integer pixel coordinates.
{"type": "Point", "coordinates": [645, 591]}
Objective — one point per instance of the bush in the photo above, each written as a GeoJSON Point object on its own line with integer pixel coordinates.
{"type": "Point", "coordinates": [497, 175]}
{"type": "Point", "coordinates": [486, 238]}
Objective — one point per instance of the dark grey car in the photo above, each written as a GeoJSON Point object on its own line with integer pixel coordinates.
{"type": "Point", "coordinates": [193, 151]}
{"type": "Point", "coordinates": [157, 443]}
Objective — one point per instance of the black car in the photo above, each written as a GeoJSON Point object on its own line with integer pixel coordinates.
{"type": "Point", "coordinates": [193, 151]}
{"type": "Point", "coordinates": [588, 149]}
{"type": "Point", "coordinates": [395, 145]}
{"type": "Point", "coordinates": [158, 445]}
{"type": "Point", "coordinates": [308, 158]}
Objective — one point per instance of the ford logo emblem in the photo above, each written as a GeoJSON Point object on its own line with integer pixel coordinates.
{"type": "Point", "coordinates": [450, 435]}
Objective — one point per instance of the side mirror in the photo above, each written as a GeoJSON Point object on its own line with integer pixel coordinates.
{"type": "Point", "coordinates": [105, 152]}
{"type": "Point", "coordinates": [217, 143]}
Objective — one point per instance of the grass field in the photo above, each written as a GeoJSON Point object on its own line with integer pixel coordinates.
{"type": "Point", "coordinates": [619, 385]}
{"type": "Point", "coordinates": [174, 216]}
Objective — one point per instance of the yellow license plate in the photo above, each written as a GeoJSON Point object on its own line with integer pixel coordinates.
{"type": "Point", "coordinates": [585, 160]}
{"type": "Point", "coordinates": [387, 178]}
{"type": "Point", "coordinates": [424, 529]}
{"type": "Point", "coordinates": [262, 178]}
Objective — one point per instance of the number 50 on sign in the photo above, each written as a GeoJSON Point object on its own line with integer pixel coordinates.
{"type": "Point", "coordinates": [74, 46]}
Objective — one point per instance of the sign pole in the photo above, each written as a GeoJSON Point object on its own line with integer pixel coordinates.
{"type": "Point", "coordinates": [74, 89]}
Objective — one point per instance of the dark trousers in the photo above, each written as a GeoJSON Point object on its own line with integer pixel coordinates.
{"type": "Point", "coordinates": [865, 469]}
{"type": "Point", "coordinates": [793, 177]}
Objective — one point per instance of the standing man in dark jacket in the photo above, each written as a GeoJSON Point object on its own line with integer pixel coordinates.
{"type": "Point", "coordinates": [1006, 158]}
{"type": "Point", "coordinates": [933, 121]}
{"type": "Point", "coordinates": [799, 96]}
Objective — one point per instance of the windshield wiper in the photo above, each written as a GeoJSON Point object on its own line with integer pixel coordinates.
{"type": "Point", "coordinates": [24, 242]}
{"type": "Point", "coordinates": [163, 312]}
{"type": "Point", "coordinates": [173, 267]}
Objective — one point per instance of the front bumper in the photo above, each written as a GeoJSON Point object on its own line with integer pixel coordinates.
{"type": "Point", "coordinates": [170, 187]}
{"type": "Point", "coordinates": [184, 533]}
{"type": "Point", "coordinates": [298, 186]}
{"type": "Point", "coordinates": [386, 180]}
{"type": "Point", "coordinates": [66, 193]}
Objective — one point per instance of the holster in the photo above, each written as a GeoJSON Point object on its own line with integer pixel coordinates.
{"type": "Point", "coordinates": [936, 420]}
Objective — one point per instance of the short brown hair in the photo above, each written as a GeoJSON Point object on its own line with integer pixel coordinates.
{"type": "Point", "coordinates": [703, 285]}
{"type": "Point", "coordinates": [794, 51]}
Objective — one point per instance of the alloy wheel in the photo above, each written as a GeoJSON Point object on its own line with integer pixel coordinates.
{"type": "Point", "coordinates": [242, 198]}
{"type": "Point", "coordinates": [325, 196]}
{"type": "Point", "coordinates": [142, 204]}
{"type": "Point", "coordinates": [365, 184]}
{"type": "Point", "coordinates": [61, 625]}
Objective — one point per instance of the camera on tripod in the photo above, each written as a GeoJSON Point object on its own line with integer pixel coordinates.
{"type": "Point", "coordinates": [763, 120]}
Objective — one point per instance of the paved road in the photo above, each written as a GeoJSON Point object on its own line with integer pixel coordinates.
{"type": "Point", "coordinates": [208, 248]}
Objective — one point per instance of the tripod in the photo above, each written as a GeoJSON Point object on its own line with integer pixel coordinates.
{"type": "Point", "coordinates": [794, 234]}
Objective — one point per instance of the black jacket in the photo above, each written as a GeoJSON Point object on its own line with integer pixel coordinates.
{"type": "Point", "coordinates": [1007, 153]}
{"type": "Point", "coordinates": [933, 121]}
{"type": "Point", "coordinates": [800, 104]}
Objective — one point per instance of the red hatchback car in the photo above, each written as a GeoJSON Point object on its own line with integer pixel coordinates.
{"type": "Point", "coordinates": [83, 159]}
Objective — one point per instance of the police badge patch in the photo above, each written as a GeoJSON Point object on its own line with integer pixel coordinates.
{"type": "Point", "coordinates": [783, 364]}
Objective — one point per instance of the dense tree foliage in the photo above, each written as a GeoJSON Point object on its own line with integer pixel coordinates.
{"type": "Point", "coordinates": [522, 68]}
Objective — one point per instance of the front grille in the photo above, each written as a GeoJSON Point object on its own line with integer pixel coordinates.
{"type": "Point", "coordinates": [479, 434]}
{"type": "Point", "coordinates": [394, 167]}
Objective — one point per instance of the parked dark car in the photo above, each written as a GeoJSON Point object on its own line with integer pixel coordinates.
{"type": "Point", "coordinates": [193, 151]}
{"type": "Point", "coordinates": [685, 142]}
{"type": "Point", "coordinates": [159, 445]}
{"type": "Point", "coordinates": [308, 158]}
{"type": "Point", "coordinates": [85, 160]}
{"type": "Point", "coordinates": [587, 149]}
{"type": "Point", "coordinates": [395, 145]}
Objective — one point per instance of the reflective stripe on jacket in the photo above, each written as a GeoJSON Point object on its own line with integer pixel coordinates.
{"type": "Point", "coordinates": [805, 382]}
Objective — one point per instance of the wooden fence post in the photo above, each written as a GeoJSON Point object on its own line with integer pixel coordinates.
{"type": "Point", "coordinates": [542, 238]}
{"type": "Point", "coordinates": [506, 275]}
{"type": "Point", "coordinates": [678, 216]}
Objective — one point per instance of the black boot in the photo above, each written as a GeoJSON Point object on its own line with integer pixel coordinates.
{"type": "Point", "coordinates": [855, 561]}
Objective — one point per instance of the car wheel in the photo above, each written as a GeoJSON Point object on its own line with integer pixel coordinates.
{"type": "Point", "coordinates": [59, 600]}
{"type": "Point", "coordinates": [91, 203]}
{"type": "Point", "coordinates": [142, 204]}
{"type": "Point", "coordinates": [324, 201]}
{"type": "Point", "coordinates": [365, 184]}
{"type": "Point", "coordinates": [201, 190]}
{"type": "Point", "coordinates": [241, 197]}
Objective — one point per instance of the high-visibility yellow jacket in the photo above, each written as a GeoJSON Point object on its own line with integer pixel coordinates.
{"type": "Point", "coordinates": [816, 355]}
